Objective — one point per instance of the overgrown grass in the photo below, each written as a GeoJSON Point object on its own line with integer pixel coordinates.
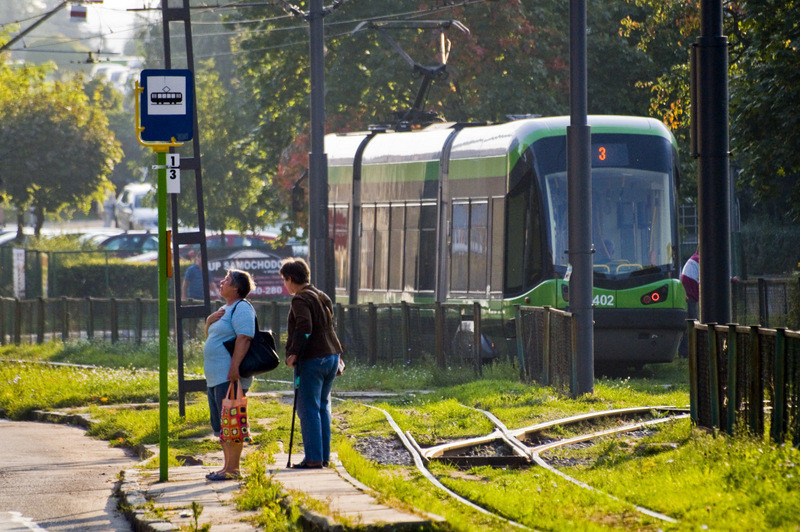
{"type": "Point", "coordinates": [262, 494]}
{"type": "Point", "coordinates": [30, 386]}
{"type": "Point", "coordinates": [699, 479]}
{"type": "Point", "coordinates": [735, 483]}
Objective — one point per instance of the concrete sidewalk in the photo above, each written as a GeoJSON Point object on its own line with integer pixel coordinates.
{"type": "Point", "coordinates": [161, 506]}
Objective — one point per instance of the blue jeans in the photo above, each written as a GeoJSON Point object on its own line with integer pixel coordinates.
{"type": "Point", "coordinates": [313, 405]}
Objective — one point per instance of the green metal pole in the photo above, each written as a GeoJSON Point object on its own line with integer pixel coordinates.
{"type": "Point", "coordinates": [163, 319]}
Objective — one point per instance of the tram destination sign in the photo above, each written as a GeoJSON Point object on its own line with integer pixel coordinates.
{"type": "Point", "coordinates": [167, 105]}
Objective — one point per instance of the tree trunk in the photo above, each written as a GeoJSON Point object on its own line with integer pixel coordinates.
{"type": "Point", "coordinates": [20, 224]}
{"type": "Point", "coordinates": [39, 211]}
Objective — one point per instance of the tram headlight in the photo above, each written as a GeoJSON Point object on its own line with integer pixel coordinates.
{"type": "Point", "coordinates": [658, 295]}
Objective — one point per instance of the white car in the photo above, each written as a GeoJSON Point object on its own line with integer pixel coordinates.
{"type": "Point", "coordinates": [135, 207]}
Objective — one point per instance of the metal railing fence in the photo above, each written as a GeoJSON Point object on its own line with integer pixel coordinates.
{"type": "Point", "coordinates": [447, 335]}
{"type": "Point", "coordinates": [546, 347]}
{"type": "Point", "coordinates": [387, 334]}
{"type": "Point", "coordinates": [745, 379]}
{"type": "Point", "coordinates": [768, 302]}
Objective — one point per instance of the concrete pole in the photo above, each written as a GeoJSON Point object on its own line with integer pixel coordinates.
{"type": "Point", "coordinates": [713, 179]}
{"type": "Point", "coordinates": [320, 249]}
{"type": "Point", "coordinates": [579, 201]}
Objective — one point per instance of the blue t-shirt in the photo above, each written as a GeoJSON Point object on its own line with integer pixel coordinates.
{"type": "Point", "coordinates": [217, 360]}
{"type": "Point", "coordinates": [194, 282]}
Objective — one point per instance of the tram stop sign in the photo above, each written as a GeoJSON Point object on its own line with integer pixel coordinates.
{"type": "Point", "coordinates": [167, 105]}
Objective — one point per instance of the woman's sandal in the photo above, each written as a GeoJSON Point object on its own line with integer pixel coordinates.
{"type": "Point", "coordinates": [221, 475]}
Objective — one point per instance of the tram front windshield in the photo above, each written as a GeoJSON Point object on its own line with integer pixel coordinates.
{"type": "Point", "coordinates": [632, 217]}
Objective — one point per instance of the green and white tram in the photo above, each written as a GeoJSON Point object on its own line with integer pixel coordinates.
{"type": "Point", "coordinates": [456, 213]}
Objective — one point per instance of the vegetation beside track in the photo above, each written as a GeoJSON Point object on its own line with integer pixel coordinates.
{"type": "Point", "coordinates": [699, 479]}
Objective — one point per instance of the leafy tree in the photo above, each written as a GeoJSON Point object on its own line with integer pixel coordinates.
{"type": "Point", "coordinates": [513, 61]}
{"type": "Point", "coordinates": [765, 122]}
{"type": "Point", "coordinates": [231, 195]}
{"type": "Point", "coordinates": [58, 150]}
{"type": "Point", "coordinates": [664, 32]}
{"type": "Point", "coordinates": [763, 84]}
{"type": "Point", "coordinates": [120, 115]}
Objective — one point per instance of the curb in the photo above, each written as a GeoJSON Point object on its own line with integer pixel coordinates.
{"type": "Point", "coordinates": [309, 519]}
{"type": "Point", "coordinates": [83, 421]}
{"type": "Point", "coordinates": [132, 503]}
{"type": "Point", "coordinates": [79, 420]}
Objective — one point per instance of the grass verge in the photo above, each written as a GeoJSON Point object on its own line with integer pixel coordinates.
{"type": "Point", "coordinates": [701, 480]}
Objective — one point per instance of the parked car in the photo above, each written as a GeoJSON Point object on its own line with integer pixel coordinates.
{"type": "Point", "coordinates": [233, 239]}
{"type": "Point", "coordinates": [135, 207]}
{"type": "Point", "coordinates": [130, 243]}
{"type": "Point", "coordinates": [214, 242]}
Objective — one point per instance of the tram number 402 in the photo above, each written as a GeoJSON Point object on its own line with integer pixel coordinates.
{"type": "Point", "coordinates": [605, 300]}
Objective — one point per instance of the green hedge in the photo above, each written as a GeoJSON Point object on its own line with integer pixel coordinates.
{"type": "Point", "coordinates": [769, 249]}
{"type": "Point", "coordinates": [97, 277]}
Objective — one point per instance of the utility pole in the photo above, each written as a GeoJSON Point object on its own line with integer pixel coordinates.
{"type": "Point", "coordinates": [710, 147]}
{"type": "Point", "coordinates": [579, 204]}
{"type": "Point", "coordinates": [30, 28]}
{"type": "Point", "coordinates": [320, 246]}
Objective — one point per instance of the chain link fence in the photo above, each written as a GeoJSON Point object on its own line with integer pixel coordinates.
{"type": "Point", "coordinates": [546, 347]}
{"type": "Point", "coordinates": [746, 379]}
{"type": "Point", "coordinates": [444, 335]}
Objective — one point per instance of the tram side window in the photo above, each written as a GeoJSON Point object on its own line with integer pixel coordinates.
{"type": "Point", "coordinates": [478, 246]}
{"type": "Point", "coordinates": [381, 248]}
{"type": "Point", "coordinates": [396, 249]}
{"type": "Point", "coordinates": [339, 228]}
{"type": "Point", "coordinates": [459, 248]}
{"type": "Point", "coordinates": [411, 248]}
{"type": "Point", "coordinates": [427, 248]}
{"type": "Point", "coordinates": [367, 245]}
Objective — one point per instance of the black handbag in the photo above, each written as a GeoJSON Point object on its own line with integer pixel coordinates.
{"type": "Point", "coordinates": [261, 357]}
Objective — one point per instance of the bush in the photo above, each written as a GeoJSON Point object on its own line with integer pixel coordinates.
{"type": "Point", "coordinates": [776, 255]}
{"type": "Point", "coordinates": [84, 275]}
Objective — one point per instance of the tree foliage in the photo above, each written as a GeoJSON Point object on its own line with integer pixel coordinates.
{"type": "Point", "coordinates": [253, 98]}
{"type": "Point", "coordinates": [765, 121]}
{"type": "Point", "coordinates": [57, 148]}
{"type": "Point", "coordinates": [231, 195]}
{"type": "Point", "coordinates": [514, 60]}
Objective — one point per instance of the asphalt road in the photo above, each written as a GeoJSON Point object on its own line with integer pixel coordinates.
{"type": "Point", "coordinates": [54, 477]}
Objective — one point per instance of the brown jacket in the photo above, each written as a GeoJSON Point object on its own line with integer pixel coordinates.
{"type": "Point", "coordinates": [311, 313]}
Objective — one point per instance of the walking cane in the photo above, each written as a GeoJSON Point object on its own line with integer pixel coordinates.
{"type": "Point", "coordinates": [294, 410]}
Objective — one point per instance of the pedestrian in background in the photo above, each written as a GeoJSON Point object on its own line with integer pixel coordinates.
{"type": "Point", "coordinates": [313, 350]}
{"type": "Point", "coordinates": [192, 286]}
{"type": "Point", "coordinates": [690, 278]}
{"type": "Point", "coordinates": [221, 368]}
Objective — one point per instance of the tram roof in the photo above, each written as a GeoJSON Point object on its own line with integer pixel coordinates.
{"type": "Point", "coordinates": [475, 141]}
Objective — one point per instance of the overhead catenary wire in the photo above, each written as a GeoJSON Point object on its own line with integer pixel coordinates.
{"type": "Point", "coordinates": [231, 5]}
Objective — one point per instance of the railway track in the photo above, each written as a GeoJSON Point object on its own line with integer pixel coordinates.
{"type": "Point", "coordinates": [525, 447]}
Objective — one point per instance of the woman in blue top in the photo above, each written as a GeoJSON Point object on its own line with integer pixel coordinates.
{"type": "Point", "coordinates": [220, 367]}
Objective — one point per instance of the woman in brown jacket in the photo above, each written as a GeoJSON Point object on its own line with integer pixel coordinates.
{"type": "Point", "coordinates": [313, 350]}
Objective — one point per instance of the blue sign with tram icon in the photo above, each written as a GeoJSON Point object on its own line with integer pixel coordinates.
{"type": "Point", "coordinates": [167, 105]}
